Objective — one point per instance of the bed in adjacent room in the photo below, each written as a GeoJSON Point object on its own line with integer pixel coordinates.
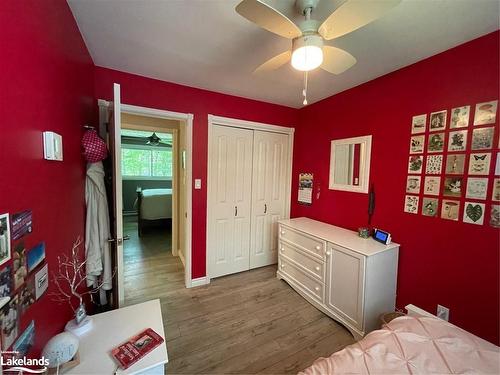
{"type": "Point", "coordinates": [413, 344]}
{"type": "Point", "coordinates": [153, 205]}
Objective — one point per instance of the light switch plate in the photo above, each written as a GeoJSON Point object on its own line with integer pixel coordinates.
{"type": "Point", "coordinates": [197, 183]}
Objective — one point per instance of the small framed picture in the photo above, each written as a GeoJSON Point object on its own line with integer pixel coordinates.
{"type": "Point", "coordinates": [434, 164]}
{"type": "Point", "coordinates": [437, 121]}
{"type": "Point", "coordinates": [457, 141]}
{"type": "Point", "coordinates": [474, 213]}
{"type": "Point", "coordinates": [411, 204]}
{"type": "Point", "coordinates": [413, 184]}
{"type": "Point", "coordinates": [452, 186]}
{"type": "Point", "coordinates": [496, 190]}
{"type": "Point", "coordinates": [479, 164]}
{"type": "Point", "coordinates": [418, 124]}
{"type": "Point", "coordinates": [486, 113]}
{"type": "Point", "coordinates": [4, 238]}
{"type": "Point", "coordinates": [482, 139]}
{"type": "Point", "coordinates": [450, 209]}
{"type": "Point", "coordinates": [432, 185]}
{"type": "Point", "coordinates": [476, 188]}
{"type": "Point", "coordinates": [415, 164]}
{"type": "Point", "coordinates": [497, 165]}
{"type": "Point", "coordinates": [430, 207]}
{"type": "Point", "coordinates": [436, 142]}
{"type": "Point", "coordinates": [455, 164]}
{"type": "Point", "coordinates": [417, 144]}
{"type": "Point", "coordinates": [495, 216]}
{"type": "Point", "coordinates": [460, 117]}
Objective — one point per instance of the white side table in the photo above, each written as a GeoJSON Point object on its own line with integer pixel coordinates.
{"type": "Point", "coordinates": [115, 327]}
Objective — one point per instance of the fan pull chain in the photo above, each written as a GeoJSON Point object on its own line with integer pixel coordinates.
{"type": "Point", "coordinates": [304, 92]}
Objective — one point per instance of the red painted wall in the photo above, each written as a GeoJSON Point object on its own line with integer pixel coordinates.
{"type": "Point", "coordinates": [46, 83]}
{"type": "Point", "coordinates": [450, 263]}
{"type": "Point", "coordinates": [152, 93]}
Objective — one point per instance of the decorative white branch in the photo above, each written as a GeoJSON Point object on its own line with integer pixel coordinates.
{"type": "Point", "coordinates": [70, 277]}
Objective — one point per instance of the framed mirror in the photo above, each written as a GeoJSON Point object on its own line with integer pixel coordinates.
{"type": "Point", "coordinates": [350, 164]}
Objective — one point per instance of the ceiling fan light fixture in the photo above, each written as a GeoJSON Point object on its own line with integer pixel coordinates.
{"type": "Point", "coordinates": [153, 140]}
{"type": "Point", "coordinates": [307, 52]}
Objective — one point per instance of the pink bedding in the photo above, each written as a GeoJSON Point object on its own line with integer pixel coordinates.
{"type": "Point", "coordinates": [410, 345]}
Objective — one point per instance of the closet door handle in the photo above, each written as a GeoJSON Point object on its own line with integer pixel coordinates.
{"type": "Point", "coordinates": [235, 210]}
{"type": "Point", "coordinates": [265, 208]}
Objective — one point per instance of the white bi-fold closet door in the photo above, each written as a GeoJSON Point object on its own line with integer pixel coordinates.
{"type": "Point", "coordinates": [269, 195]}
{"type": "Point", "coordinates": [248, 194]}
{"type": "Point", "coordinates": [231, 179]}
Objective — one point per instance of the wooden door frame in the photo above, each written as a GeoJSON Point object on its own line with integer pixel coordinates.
{"type": "Point", "coordinates": [244, 124]}
{"type": "Point", "coordinates": [187, 118]}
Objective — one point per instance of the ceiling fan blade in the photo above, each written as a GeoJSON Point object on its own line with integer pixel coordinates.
{"type": "Point", "coordinates": [352, 15]}
{"type": "Point", "coordinates": [336, 60]}
{"type": "Point", "coordinates": [274, 62]}
{"type": "Point", "coordinates": [268, 18]}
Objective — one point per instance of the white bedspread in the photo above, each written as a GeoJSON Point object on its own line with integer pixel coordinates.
{"type": "Point", "coordinates": [156, 204]}
{"type": "Point", "coordinates": [411, 345]}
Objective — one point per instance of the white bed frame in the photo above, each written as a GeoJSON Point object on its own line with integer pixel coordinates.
{"type": "Point", "coordinates": [417, 311]}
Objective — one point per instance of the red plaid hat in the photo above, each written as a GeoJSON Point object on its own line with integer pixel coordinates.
{"type": "Point", "coordinates": [94, 147]}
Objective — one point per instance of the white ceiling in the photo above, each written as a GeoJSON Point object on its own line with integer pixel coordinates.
{"type": "Point", "coordinates": [206, 44]}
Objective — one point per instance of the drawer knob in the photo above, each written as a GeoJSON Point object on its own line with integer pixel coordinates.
{"type": "Point", "coordinates": [282, 232]}
{"type": "Point", "coordinates": [318, 247]}
{"type": "Point", "coordinates": [282, 249]}
{"type": "Point", "coordinates": [317, 268]}
{"type": "Point", "coordinates": [282, 266]}
{"type": "Point", "coordinates": [317, 289]}
{"type": "Point", "coordinates": [328, 253]}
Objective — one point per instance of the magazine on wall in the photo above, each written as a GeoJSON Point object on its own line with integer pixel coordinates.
{"type": "Point", "coordinates": [136, 348]}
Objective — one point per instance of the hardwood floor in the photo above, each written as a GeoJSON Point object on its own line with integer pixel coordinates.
{"type": "Point", "coordinates": [245, 323]}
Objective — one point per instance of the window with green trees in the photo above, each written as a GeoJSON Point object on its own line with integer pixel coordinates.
{"type": "Point", "coordinates": [146, 162]}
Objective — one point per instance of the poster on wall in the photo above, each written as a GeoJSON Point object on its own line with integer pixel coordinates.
{"type": "Point", "coordinates": [418, 124]}
{"type": "Point", "coordinates": [495, 216]}
{"type": "Point", "coordinates": [9, 322]}
{"type": "Point", "coordinates": [22, 224]}
{"type": "Point", "coordinates": [35, 256]}
{"type": "Point", "coordinates": [5, 282]}
{"type": "Point", "coordinates": [4, 238]}
{"type": "Point", "coordinates": [26, 341]}
{"type": "Point", "coordinates": [460, 117]}
{"type": "Point", "coordinates": [305, 188]}
{"type": "Point", "coordinates": [486, 113]}
{"type": "Point", "coordinates": [19, 265]}
{"type": "Point", "coordinates": [27, 295]}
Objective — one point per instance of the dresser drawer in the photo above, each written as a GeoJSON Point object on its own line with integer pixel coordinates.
{"type": "Point", "coordinates": [313, 266]}
{"type": "Point", "coordinates": [310, 285]}
{"type": "Point", "coordinates": [311, 244]}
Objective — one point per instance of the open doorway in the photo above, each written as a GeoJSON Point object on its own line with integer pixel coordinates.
{"type": "Point", "coordinates": [153, 193]}
{"type": "Point", "coordinates": [144, 255]}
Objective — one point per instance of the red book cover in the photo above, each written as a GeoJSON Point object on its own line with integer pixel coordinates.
{"type": "Point", "coordinates": [136, 348]}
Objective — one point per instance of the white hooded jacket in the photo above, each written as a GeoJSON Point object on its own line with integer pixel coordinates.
{"type": "Point", "coordinates": [97, 230]}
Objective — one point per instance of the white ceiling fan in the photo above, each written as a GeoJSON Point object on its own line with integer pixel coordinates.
{"type": "Point", "coordinates": [308, 50]}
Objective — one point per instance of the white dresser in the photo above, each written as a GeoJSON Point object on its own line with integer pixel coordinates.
{"type": "Point", "coordinates": [349, 278]}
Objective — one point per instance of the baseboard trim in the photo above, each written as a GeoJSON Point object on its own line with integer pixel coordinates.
{"type": "Point", "coordinates": [181, 256]}
{"type": "Point", "coordinates": [199, 281]}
